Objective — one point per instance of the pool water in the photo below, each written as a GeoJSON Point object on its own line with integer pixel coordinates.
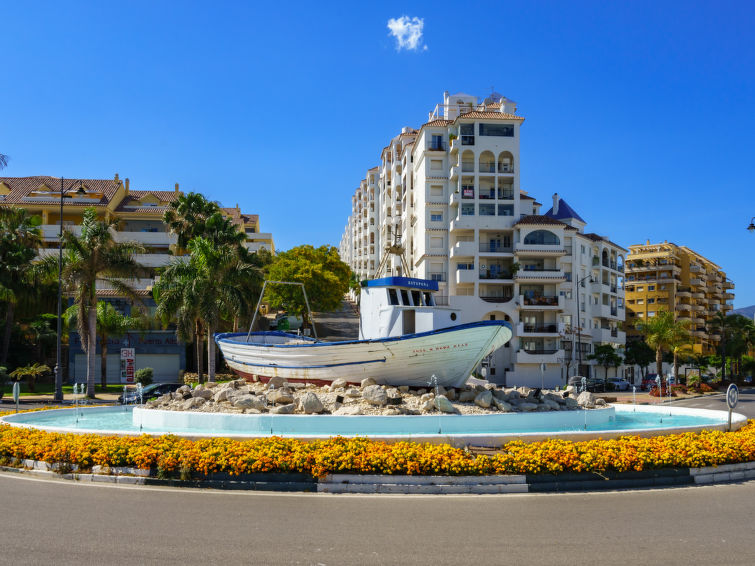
{"type": "Point", "coordinates": [125, 420]}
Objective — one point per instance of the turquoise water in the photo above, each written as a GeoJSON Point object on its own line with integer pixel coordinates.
{"type": "Point", "coordinates": [121, 420]}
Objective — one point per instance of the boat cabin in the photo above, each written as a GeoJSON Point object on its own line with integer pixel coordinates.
{"type": "Point", "coordinates": [396, 306]}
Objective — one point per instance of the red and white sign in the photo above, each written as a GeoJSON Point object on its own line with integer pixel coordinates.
{"type": "Point", "coordinates": [127, 365]}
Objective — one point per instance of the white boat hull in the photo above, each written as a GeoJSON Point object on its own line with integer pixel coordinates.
{"type": "Point", "coordinates": [450, 354]}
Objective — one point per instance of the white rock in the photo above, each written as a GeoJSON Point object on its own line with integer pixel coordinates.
{"type": "Point", "coordinates": [502, 405]}
{"type": "Point", "coordinates": [586, 400]}
{"type": "Point", "coordinates": [427, 405]}
{"type": "Point", "coordinates": [403, 388]}
{"type": "Point", "coordinates": [352, 392]}
{"type": "Point", "coordinates": [276, 382]}
{"type": "Point", "coordinates": [349, 410]}
{"type": "Point", "coordinates": [283, 409]}
{"type": "Point", "coordinates": [221, 395]}
{"type": "Point", "coordinates": [280, 396]}
{"type": "Point", "coordinates": [203, 393]}
{"type": "Point", "coordinates": [525, 406]}
{"type": "Point", "coordinates": [310, 403]}
{"type": "Point", "coordinates": [484, 399]}
{"type": "Point", "coordinates": [367, 381]}
{"type": "Point", "coordinates": [600, 402]}
{"type": "Point", "coordinates": [443, 404]}
{"type": "Point", "coordinates": [467, 396]}
{"type": "Point", "coordinates": [248, 402]}
{"type": "Point", "coordinates": [375, 395]}
{"type": "Point", "coordinates": [339, 383]}
{"type": "Point", "coordinates": [425, 396]}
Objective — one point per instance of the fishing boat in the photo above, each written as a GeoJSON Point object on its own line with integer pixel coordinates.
{"type": "Point", "coordinates": [405, 338]}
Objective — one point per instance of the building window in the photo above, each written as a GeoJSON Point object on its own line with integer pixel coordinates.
{"type": "Point", "coordinates": [487, 210]}
{"type": "Point", "coordinates": [505, 130]}
{"type": "Point", "coordinates": [467, 134]}
{"type": "Point", "coordinates": [651, 313]}
{"type": "Point", "coordinates": [542, 237]}
{"type": "Point", "coordinates": [467, 209]}
{"type": "Point", "coordinates": [651, 287]}
{"type": "Point", "coordinates": [436, 164]}
{"type": "Point", "coordinates": [436, 142]}
{"type": "Point", "coordinates": [436, 216]}
{"type": "Point", "coordinates": [436, 243]}
{"type": "Point", "coordinates": [436, 191]}
{"type": "Point", "coordinates": [651, 301]}
{"type": "Point", "coordinates": [640, 301]}
{"type": "Point", "coordinates": [465, 266]}
{"type": "Point", "coordinates": [505, 210]}
{"type": "Point", "coordinates": [640, 289]}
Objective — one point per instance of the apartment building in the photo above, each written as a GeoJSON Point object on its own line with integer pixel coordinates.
{"type": "Point", "coordinates": [675, 278]}
{"type": "Point", "coordinates": [139, 219]}
{"type": "Point", "coordinates": [450, 194]}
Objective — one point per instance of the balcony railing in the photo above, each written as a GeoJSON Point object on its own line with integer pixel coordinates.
{"type": "Point", "coordinates": [505, 194]}
{"type": "Point", "coordinates": [437, 147]}
{"type": "Point", "coordinates": [487, 274]}
{"type": "Point", "coordinates": [495, 248]}
{"type": "Point", "coordinates": [437, 276]}
{"type": "Point", "coordinates": [542, 300]}
{"type": "Point", "coordinates": [495, 298]}
{"type": "Point", "coordinates": [467, 166]}
{"type": "Point", "coordinates": [539, 352]}
{"type": "Point", "coordinates": [467, 140]}
{"type": "Point", "coordinates": [487, 195]}
{"type": "Point", "coordinates": [544, 329]}
{"type": "Point", "coordinates": [505, 168]}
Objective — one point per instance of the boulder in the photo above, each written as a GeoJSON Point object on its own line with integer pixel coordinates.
{"type": "Point", "coordinates": [375, 395]}
{"type": "Point", "coordinates": [192, 403]}
{"type": "Point", "coordinates": [283, 409]}
{"type": "Point", "coordinates": [210, 385]}
{"type": "Point", "coordinates": [391, 412]}
{"type": "Point", "coordinates": [502, 405]}
{"type": "Point", "coordinates": [570, 403]}
{"type": "Point", "coordinates": [425, 396]}
{"type": "Point", "coordinates": [512, 394]}
{"type": "Point", "coordinates": [248, 402]}
{"type": "Point", "coordinates": [276, 382]}
{"type": "Point", "coordinates": [571, 389]}
{"type": "Point", "coordinates": [586, 400]}
{"type": "Point", "coordinates": [367, 381]}
{"type": "Point", "coordinates": [600, 402]}
{"type": "Point", "coordinates": [310, 403]}
{"type": "Point", "coordinates": [442, 403]}
{"type": "Point", "coordinates": [550, 404]}
{"type": "Point", "coordinates": [451, 394]}
{"type": "Point", "coordinates": [339, 383]}
{"type": "Point", "coordinates": [281, 396]}
{"type": "Point", "coordinates": [526, 406]}
{"type": "Point", "coordinates": [350, 410]}
{"type": "Point", "coordinates": [467, 396]}
{"type": "Point", "coordinates": [500, 394]}
{"type": "Point", "coordinates": [392, 392]}
{"type": "Point", "coordinates": [221, 395]}
{"type": "Point", "coordinates": [484, 399]}
{"type": "Point", "coordinates": [427, 405]}
{"type": "Point", "coordinates": [403, 388]}
{"type": "Point", "coordinates": [296, 385]}
{"type": "Point", "coordinates": [352, 392]}
{"type": "Point", "coordinates": [203, 393]}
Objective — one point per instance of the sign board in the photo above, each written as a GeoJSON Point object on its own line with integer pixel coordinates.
{"type": "Point", "coordinates": [127, 365]}
{"type": "Point", "coordinates": [732, 396]}
{"type": "Point", "coordinates": [16, 391]}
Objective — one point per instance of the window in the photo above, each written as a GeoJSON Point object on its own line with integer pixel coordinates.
{"type": "Point", "coordinates": [405, 297]}
{"type": "Point", "coordinates": [651, 313]}
{"type": "Point", "coordinates": [583, 249]}
{"type": "Point", "coordinates": [436, 242]}
{"type": "Point", "coordinates": [436, 164]}
{"type": "Point", "coordinates": [505, 210]}
{"type": "Point", "coordinates": [392, 296]}
{"type": "Point", "coordinates": [465, 266]}
{"type": "Point", "coordinates": [506, 130]}
{"type": "Point", "coordinates": [487, 210]}
{"type": "Point", "coordinates": [651, 287]}
{"type": "Point", "coordinates": [640, 301]}
{"type": "Point", "coordinates": [651, 301]}
{"type": "Point", "coordinates": [467, 209]}
{"type": "Point", "coordinates": [436, 216]}
{"type": "Point", "coordinates": [542, 237]}
{"type": "Point", "coordinates": [640, 288]}
{"type": "Point", "coordinates": [436, 191]}
{"type": "Point", "coordinates": [436, 142]}
{"type": "Point", "coordinates": [467, 134]}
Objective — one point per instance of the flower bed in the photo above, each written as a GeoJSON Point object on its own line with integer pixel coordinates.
{"type": "Point", "coordinates": [171, 456]}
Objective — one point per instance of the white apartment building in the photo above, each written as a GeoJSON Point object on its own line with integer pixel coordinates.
{"type": "Point", "coordinates": [450, 194]}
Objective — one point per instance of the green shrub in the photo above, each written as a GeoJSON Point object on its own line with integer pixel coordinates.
{"type": "Point", "coordinates": [143, 376]}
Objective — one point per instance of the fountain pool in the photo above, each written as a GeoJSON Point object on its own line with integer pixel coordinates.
{"type": "Point", "coordinates": [490, 430]}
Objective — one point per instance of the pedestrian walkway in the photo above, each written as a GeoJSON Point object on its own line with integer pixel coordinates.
{"type": "Point", "coordinates": [342, 324]}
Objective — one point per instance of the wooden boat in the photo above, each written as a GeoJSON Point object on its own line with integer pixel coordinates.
{"type": "Point", "coordinates": [400, 343]}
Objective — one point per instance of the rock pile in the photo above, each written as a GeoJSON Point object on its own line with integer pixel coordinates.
{"type": "Point", "coordinates": [343, 398]}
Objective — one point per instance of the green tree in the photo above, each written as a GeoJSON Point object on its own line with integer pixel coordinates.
{"type": "Point", "coordinates": [661, 332]}
{"type": "Point", "coordinates": [324, 275]}
{"type": "Point", "coordinates": [638, 353]}
{"type": "Point", "coordinates": [723, 326]}
{"type": "Point", "coordinates": [20, 237]}
{"type": "Point", "coordinates": [605, 355]}
{"type": "Point", "coordinates": [3, 161]}
{"type": "Point", "coordinates": [214, 284]}
{"type": "Point", "coordinates": [681, 343]}
{"type": "Point", "coordinates": [95, 256]}
{"type": "Point", "coordinates": [110, 323]}
{"type": "Point", "coordinates": [187, 217]}
{"type": "Point", "coordinates": [742, 337]}
{"type": "Point", "coordinates": [31, 372]}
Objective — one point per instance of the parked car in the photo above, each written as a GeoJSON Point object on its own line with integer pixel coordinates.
{"type": "Point", "coordinates": [152, 391]}
{"type": "Point", "coordinates": [649, 382]}
{"type": "Point", "coordinates": [596, 385]}
{"type": "Point", "coordinates": [286, 322]}
{"type": "Point", "coordinates": [575, 380]}
{"type": "Point", "coordinates": [619, 384]}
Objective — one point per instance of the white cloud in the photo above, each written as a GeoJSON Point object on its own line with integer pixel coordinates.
{"type": "Point", "coordinates": [408, 33]}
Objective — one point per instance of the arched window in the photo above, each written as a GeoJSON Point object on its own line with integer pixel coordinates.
{"type": "Point", "coordinates": [542, 237]}
{"type": "Point", "coordinates": [487, 162]}
{"type": "Point", "coordinates": [505, 162]}
{"type": "Point", "coordinates": [467, 162]}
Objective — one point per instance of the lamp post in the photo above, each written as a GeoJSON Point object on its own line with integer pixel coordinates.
{"type": "Point", "coordinates": [58, 373]}
{"type": "Point", "coordinates": [580, 283]}
{"type": "Point", "coordinates": [751, 227]}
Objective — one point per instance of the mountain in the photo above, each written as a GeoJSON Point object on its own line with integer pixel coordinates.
{"type": "Point", "coordinates": [749, 312]}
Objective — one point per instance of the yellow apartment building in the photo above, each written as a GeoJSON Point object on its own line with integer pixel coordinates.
{"type": "Point", "coordinates": [675, 278]}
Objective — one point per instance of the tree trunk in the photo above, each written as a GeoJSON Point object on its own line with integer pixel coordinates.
{"type": "Point", "coordinates": [659, 362]}
{"type": "Point", "coordinates": [198, 345]}
{"type": "Point", "coordinates": [91, 351]}
{"type": "Point", "coordinates": [8, 329]}
{"type": "Point", "coordinates": [103, 361]}
{"type": "Point", "coordinates": [676, 369]}
{"type": "Point", "coordinates": [210, 355]}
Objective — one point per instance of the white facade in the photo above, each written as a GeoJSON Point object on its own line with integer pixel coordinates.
{"type": "Point", "coordinates": [450, 194]}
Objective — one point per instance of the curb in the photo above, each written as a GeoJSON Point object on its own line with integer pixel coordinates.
{"type": "Point", "coordinates": [389, 484]}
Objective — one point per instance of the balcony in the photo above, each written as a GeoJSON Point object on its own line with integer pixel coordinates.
{"type": "Point", "coordinates": [541, 329]}
{"type": "Point", "coordinates": [683, 292]}
{"type": "Point", "coordinates": [681, 307]}
{"type": "Point", "coordinates": [539, 356]}
{"type": "Point", "coordinates": [455, 143]}
{"type": "Point", "coordinates": [698, 295]}
{"type": "Point", "coordinates": [463, 223]}
{"type": "Point", "coordinates": [505, 168]}
{"type": "Point", "coordinates": [505, 194]}
{"type": "Point", "coordinates": [607, 311]}
{"type": "Point", "coordinates": [547, 302]}
{"type": "Point", "coordinates": [437, 146]}
{"type": "Point", "coordinates": [494, 248]}
{"type": "Point", "coordinates": [541, 275]}
{"type": "Point", "coordinates": [154, 260]}
{"type": "Point", "coordinates": [695, 282]}
{"type": "Point", "coordinates": [455, 198]}
{"type": "Point", "coordinates": [500, 299]}
{"type": "Point", "coordinates": [454, 173]}
{"type": "Point", "coordinates": [608, 335]}
{"type": "Point", "coordinates": [467, 140]}
{"type": "Point", "coordinates": [728, 296]}
{"type": "Point", "coordinates": [465, 276]}
{"type": "Point", "coordinates": [437, 276]}
{"type": "Point", "coordinates": [487, 167]}
{"type": "Point", "coordinates": [463, 249]}
{"type": "Point", "coordinates": [539, 250]}
{"type": "Point", "coordinates": [51, 232]}
{"type": "Point", "coordinates": [495, 273]}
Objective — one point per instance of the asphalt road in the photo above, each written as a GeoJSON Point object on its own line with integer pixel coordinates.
{"type": "Point", "coordinates": [62, 523]}
{"type": "Point", "coordinates": [746, 405]}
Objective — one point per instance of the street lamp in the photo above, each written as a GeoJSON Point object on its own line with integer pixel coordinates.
{"type": "Point", "coordinates": [58, 373]}
{"type": "Point", "coordinates": [580, 283]}
{"type": "Point", "coordinates": [751, 227]}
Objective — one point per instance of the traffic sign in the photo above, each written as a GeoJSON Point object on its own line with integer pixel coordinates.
{"type": "Point", "coordinates": [732, 396]}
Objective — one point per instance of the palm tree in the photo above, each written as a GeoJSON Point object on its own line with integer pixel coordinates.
{"type": "Point", "coordinates": [88, 258]}
{"type": "Point", "coordinates": [214, 284]}
{"type": "Point", "coordinates": [662, 332]}
{"type": "Point", "coordinates": [187, 217]}
{"type": "Point", "coordinates": [721, 323]}
{"type": "Point", "coordinates": [110, 322]}
{"type": "Point", "coordinates": [3, 161]}
{"type": "Point", "coordinates": [32, 372]}
{"type": "Point", "coordinates": [20, 237]}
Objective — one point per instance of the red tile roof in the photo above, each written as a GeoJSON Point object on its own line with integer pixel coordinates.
{"type": "Point", "coordinates": [476, 114]}
{"type": "Point", "coordinates": [21, 187]}
{"type": "Point", "coordinates": [538, 219]}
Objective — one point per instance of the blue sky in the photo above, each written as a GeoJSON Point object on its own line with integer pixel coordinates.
{"type": "Point", "coordinates": [640, 114]}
